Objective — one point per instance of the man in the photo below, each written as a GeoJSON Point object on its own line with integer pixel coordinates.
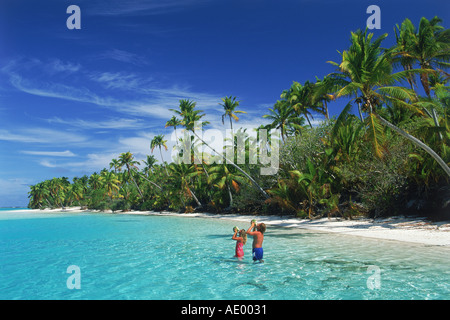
{"type": "Point", "coordinates": [258, 238]}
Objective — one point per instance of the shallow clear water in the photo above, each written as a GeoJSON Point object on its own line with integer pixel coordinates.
{"type": "Point", "coordinates": [161, 257]}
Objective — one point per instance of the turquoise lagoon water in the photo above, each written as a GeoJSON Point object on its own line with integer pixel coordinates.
{"type": "Point", "coordinates": [164, 257]}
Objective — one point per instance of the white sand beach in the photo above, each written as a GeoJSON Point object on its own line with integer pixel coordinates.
{"type": "Point", "coordinates": [407, 229]}
{"type": "Point", "coordinates": [414, 230]}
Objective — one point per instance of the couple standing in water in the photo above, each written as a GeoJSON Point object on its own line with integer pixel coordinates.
{"type": "Point", "coordinates": [255, 230]}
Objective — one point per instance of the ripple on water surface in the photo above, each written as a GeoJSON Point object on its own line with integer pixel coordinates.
{"type": "Point", "coordinates": [160, 257]}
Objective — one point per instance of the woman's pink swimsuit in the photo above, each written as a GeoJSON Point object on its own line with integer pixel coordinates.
{"type": "Point", "coordinates": [239, 249]}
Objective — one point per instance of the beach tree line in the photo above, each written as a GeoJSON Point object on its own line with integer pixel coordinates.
{"type": "Point", "coordinates": [386, 152]}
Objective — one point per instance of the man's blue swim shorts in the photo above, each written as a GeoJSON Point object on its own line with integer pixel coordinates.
{"type": "Point", "coordinates": [257, 253]}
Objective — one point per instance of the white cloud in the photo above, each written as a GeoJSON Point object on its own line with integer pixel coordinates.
{"type": "Point", "coordinates": [140, 145]}
{"type": "Point", "coordinates": [13, 192]}
{"type": "Point", "coordinates": [141, 7]}
{"type": "Point", "coordinates": [138, 97]}
{"type": "Point", "coordinates": [115, 123]}
{"type": "Point", "coordinates": [41, 135]}
{"type": "Point", "coordinates": [66, 153]}
{"type": "Point", "coordinates": [316, 120]}
{"type": "Point", "coordinates": [48, 164]}
{"type": "Point", "coordinates": [135, 145]}
{"type": "Point", "coordinates": [58, 90]}
{"type": "Point", "coordinates": [246, 121]}
{"type": "Point", "coordinates": [123, 56]}
{"type": "Point", "coordinates": [57, 65]}
{"type": "Point", "coordinates": [9, 186]}
{"type": "Point", "coordinates": [93, 162]}
{"type": "Point", "coordinates": [120, 80]}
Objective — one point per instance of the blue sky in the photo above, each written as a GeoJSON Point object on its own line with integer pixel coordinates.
{"type": "Point", "coordinates": [71, 100]}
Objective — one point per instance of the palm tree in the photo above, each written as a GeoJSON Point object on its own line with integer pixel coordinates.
{"type": "Point", "coordinates": [365, 72]}
{"type": "Point", "coordinates": [229, 105]}
{"type": "Point", "coordinates": [221, 176]}
{"type": "Point", "coordinates": [191, 117]}
{"type": "Point", "coordinates": [285, 195]}
{"type": "Point", "coordinates": [158, 141]}
{"type": "Point", "coordinates": [181, 175]}
{"type": "Point", "coordinates": [83, 182]}
{"type": "Point", "coordinates": [75, 192]}
{"type": "Point", "coordinates": [283, 118]}
{"type": "Point", "coordinates": [95, 181]}
{"type": "Point", "coordinates": [185, 109]}
{"type": "Point", "coordinates": [57, 186]}
{"type": "Point", "coordinates": [149, 163]}
{"type": "Point", "coordinates": [37, 194]}
{"type": "Point", "coordinates": [174, 122]}
{"type": "Point", "coordinates": [404, 39]}
{"type": "Point", "coordinates": [110, 182]}
{"type": "Point", "coordinates": [321, 93]}
{"type": "Point", "coordinates": [312, 182]}
{"type": "Point", "coordinates": [300, 98]}
{"type": "Point", "coordinates": [115, 164]}
{"type": "Point", "coordinates": [344, 137]}
{"type": "Point", "coordinates": [149, 168]}
{"type": "Point", "coordinates": [429, 47]}
{"type": "Point", "coordinates": [126, 159]}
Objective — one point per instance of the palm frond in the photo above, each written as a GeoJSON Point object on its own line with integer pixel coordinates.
{"type": "Point", "coordinates": [376, 134]}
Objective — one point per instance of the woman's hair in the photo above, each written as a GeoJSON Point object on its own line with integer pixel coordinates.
{"type": "Point", "coordinates": [243, 234]}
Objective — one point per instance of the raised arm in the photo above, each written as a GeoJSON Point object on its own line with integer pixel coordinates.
{"type": "Point", "coordinates": [249, 231]}
{"type": "Point", "coordinates": [234, 236]}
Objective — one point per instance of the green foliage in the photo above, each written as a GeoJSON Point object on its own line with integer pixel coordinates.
{"type": "Point", "coordinates": [347, 166]}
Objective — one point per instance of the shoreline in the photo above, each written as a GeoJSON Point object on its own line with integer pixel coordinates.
{"type": "Point", "coordinates": [413, 230]}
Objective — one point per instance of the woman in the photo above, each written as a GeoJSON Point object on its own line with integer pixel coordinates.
{"type": "Point", "coordinates": [240, 241]}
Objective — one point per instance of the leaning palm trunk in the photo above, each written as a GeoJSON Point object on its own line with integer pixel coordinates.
{"type": "Point", "coordinates": [137, 187]}
{"type": "Point", "coordinates": [360, 112]}
{"type": "Point", "coordinates": [424, 78]}
{"type": "Point", "coordinates": [143, 177]}
{"type": "Point", "coordinates": [309, 122]}
{"type": "Point", "coordinates": [257, 186]}
{"type": "Point", "coordinates": [162, 161]}
{"type": "Point", "coordinates": [325, 107]}
{"type": "Point", "coordinates": [418, 143]}
{"type": "Point", "coordinates": [231, 197]}
{"type": "Point", "coordinates": [436, 121]}
{"type": "Point", "coordinates": [193, 196]}
{"type": "Point", "coordinates": [433, 115]}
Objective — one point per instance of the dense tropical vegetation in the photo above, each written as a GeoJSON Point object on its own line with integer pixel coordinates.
{"type": "Point", "coordinates": [387, 151]}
